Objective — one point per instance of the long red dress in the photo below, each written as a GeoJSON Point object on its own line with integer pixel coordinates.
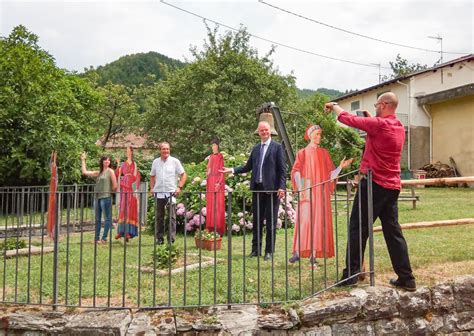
{"type": "Point", "coordinates": [313, 234]}
{"type": "Point", "coordinates": [215, 197]}
{"type": "Point", "coordinates": [128, 209]}
{"type": "Point", "coordinates": [53, 186]}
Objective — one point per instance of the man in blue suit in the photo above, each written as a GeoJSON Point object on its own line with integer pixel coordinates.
{"type": "Point", "coordinates": [268, 185]}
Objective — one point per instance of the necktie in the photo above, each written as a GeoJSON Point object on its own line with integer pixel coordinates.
{"type": "Point", "coordinates": [260, 163]}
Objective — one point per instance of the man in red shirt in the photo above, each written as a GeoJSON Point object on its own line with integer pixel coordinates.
{"type": "Point", "coordinates": [383, 149]}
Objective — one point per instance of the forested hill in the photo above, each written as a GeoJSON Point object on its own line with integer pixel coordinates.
{"type": "Point", "coordinates": [135, 69]}
{"type": "Point", "coordinates": [306, 93]}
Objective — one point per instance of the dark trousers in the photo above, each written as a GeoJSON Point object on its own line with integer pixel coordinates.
{"type": "Point", "coordinates": [163, 204]}
{"type": "Point", "coordinates": [264, 207]}
{"type": "Point", "coordinates": [385, 207]}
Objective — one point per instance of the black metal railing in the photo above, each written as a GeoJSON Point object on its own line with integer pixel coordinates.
{"type": "Point", "coordinates": [74, 268]}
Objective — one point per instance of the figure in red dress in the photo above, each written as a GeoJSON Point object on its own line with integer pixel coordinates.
{"type": "Point", "coordinates": [215, 186]}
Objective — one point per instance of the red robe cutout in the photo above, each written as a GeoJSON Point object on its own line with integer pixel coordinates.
{"type": "Point", "coordinates": [313, 234]}
{"type": "Point", "coordinates": [215, 197]}
{"type": "Point", "coordinates": [53, 185]}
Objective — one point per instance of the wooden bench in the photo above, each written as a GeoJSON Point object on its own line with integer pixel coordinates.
{"type": "Point", "coordinates": [407, 194]}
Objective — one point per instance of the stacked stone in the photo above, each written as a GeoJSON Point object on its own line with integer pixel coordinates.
{"type": "Point", "coordinates": [446, 308]}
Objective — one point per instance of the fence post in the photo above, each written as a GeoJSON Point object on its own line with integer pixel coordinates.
{"type": "Point", "coordinates": [76, 202]}
{"type": "Point", "coordinates": [229, 251]}
{"type": "Point", "coordinates": [370, 222]}
{"type": "Point", "coordinates": [55, 257]}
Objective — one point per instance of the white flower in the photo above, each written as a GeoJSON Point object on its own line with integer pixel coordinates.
{"type": "Point", "coordinates": [279, 223]}
{"type": "Point", "coordinates": [203, 183]}
{"type": "Point", "coordinates": [235, 228]}
{"type": "Point", "coordinates": [244, 174]}
{"type": "Point", "coordinates": [240, 214]}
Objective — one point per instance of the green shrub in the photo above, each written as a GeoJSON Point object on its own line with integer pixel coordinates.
{"type": "Point", "coordinates": [12, 244]}
{"type": "Point", "coordinates": [164, 255]}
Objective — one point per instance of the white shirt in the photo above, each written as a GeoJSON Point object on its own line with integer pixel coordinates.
{"type": "Point", "coordinates": [265, 148]}
{"type": "Point", "coordinates": [166, 176]}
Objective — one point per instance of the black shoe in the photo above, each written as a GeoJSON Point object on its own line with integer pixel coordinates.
{"type": "Point", "coordinates": [347, 282]}
{"type": "Point", "coordinates": [159, 241]}
{"type": "Point", "coordinates": [294, 258]}
{"type": "Point", "coordinates": [408, 285]}
{"type": "Point", "coordinates": [268, 256]}
{"type": "Point", "coordinates": [253, 254]}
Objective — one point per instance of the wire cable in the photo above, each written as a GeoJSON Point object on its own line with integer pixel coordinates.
{"type": "Point", "coordinates": [354, 33]}
{"type": "Point", "coordinates": [271, 41]}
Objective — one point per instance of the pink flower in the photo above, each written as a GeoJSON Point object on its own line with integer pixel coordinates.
{"type": "Point", "coordinates": [235, 228]}
{"type": "Point", "coordinates": [204, 211]}
{"type": "Point", "coordinates": [180, 205]}
{"type": "Point", "coordinates": [189, 214]}
{"type": "Point", "coordinates": [242, 221]}
{"type": "Point", "coordinates": [189, 226]}
{"type": "Point", "coordinates": [199, 219]}
{"type": "Point", "coordinates": [249, 225]}
{"type": "Point", "coordinates": [180, 211]}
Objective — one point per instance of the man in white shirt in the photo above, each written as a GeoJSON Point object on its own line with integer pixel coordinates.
{"type": "Point", "coordinates": [167, 178]}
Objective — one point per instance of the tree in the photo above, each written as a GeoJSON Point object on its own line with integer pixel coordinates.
{"type": "Point", "coordinates": [118, 111]}
{"type": "Point", "coordinates": [41, 108]}
{"type": "Point", "coordinates": [215, 95]}
{"type": "Point", "coordinates": [401, 67]}
{"type": "Point", "coordinates": [340, 141]}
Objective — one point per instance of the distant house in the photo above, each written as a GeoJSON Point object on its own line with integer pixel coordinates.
{"type": "Point", "coordinates": [436, 106]}
{"type": "Point", "coordinates": [121, 141]}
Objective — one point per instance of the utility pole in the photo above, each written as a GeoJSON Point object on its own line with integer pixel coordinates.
{"type": "Point", "coordinates": [440, 40]}
{"type": "Point", "coordinates": [379, 66]}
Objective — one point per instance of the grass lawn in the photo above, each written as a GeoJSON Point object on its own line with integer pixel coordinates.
{"type": "Point", "coordinates": [436, 254]}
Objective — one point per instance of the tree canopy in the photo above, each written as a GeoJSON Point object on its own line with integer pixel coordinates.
{"type": "Point", "coordinates": [401, 67]}
{"type": "Point", "coordinates": [42, 108]}
{"type": "Point", "coordinates": [216, 95]}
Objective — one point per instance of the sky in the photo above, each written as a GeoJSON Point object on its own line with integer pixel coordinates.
{"type": "Point", "coordinates": [87, 33]}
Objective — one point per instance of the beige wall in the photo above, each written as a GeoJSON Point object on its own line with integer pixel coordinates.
{"type": "Point", "coordinates": [420, 146]}
{"type": "Point", "coordinates": [453, 133]}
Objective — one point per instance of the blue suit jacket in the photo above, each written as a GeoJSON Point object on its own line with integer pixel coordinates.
{"type": "Point", "coordinates": [273, 169]}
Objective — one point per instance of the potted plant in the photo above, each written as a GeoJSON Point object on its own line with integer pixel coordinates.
{"type": "Point", "coordinates": [208, 240]}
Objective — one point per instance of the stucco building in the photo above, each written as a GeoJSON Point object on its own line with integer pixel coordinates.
{"type": "Point", "coordinates": [436, 106]}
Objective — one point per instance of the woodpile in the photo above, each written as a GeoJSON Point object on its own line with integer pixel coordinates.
{"type": "Point", "coordinates": [438, 170]}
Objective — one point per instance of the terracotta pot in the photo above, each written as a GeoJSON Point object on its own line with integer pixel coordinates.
{"type": "Point", "coordinates": [208, 244]}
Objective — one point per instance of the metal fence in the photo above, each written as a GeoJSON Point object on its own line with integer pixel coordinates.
{"type": "Point", "coordinates": [73, 269]}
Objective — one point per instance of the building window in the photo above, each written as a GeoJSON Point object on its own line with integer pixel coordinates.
{"type": "Point", "coordinates": [355, 105]}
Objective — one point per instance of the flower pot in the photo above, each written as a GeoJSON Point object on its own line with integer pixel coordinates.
{"type": "Point", "coordinates": [208, 244]}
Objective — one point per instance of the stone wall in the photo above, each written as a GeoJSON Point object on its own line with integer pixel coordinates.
{"type": "Point", "coordinates": [446, 308]}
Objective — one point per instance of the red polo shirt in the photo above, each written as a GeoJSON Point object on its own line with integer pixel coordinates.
{"type": "Point", "coordinates": [383, 147]}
